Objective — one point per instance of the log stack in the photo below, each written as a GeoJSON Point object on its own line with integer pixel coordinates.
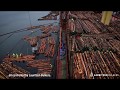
{"type": "Point", "coordinates": [97, 63]}
{"type": "Point", "coordinates": [42, 46]}
{"type": "Point", "coordinates": [43, 66]}
{"type": "Point", "coordinates": [50, 51]}
{"type": "Point", "coordinates": [95, 47]}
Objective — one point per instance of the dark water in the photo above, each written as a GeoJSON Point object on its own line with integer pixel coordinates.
{"type": "Point", "coordinates": [15, 20]}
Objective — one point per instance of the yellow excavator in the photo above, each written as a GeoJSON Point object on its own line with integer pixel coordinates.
{"type": "Point", "coordinates": [106, 17]}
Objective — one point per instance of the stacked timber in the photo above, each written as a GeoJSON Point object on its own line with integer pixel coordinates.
{"type": "Point", "coordinates": [46, 29]}
{"type": "Point", "coordinates": [78, 26]}
{"type": "Point", "coordinates": [32, 40]}
{"type": "Point", "coordinates": [51, 40]}
{"type": "Point", "coordinates": [71, 25]}
{"type": "Point", "coordinates": [42, 46]}
{"type": "Point", "coordinates": [43, 66]}
{"type": "Point", "coordinates": [50, 51]}
{"type": "Point", "coordinates": [102, 65]}
{"type": "Point", "coordinates": [10, 68]}
{"type": "Point", "coordinates": [97, 43]}
{"type": "Point", "coordinates": [50, 16]}
{"type": "Point", "coordinates": [20, 58]}
{"type": "Point", "coordinates": [55, 28]}
{"type": "Point", "coordinates": [96, 52]}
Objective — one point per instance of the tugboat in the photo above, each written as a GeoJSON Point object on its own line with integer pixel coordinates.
{"type": "Point", "coordinates": [35, 49]}
{"type": "Point", "coordinates": [33, 42]}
